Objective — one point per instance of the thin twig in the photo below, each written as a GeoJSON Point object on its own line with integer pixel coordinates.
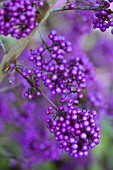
{"type": "Point", "coordinates": [34, 86]}
{"type": "Point", "coordinates": [66, 8]}
{"type": "Point", "coordinates": [44, 42]}
{"type": "Point", "coordinates": [7, 88]}
{"type": "Point", "coordinates": [42, 38]}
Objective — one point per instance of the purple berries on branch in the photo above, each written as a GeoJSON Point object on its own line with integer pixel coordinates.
{"type": "Point", "coordinates": [60, 73]}
{"type": "Point", "coordinates": [18, 18]}
{"type": "Point", "coordinates": [74, 129]}
{"type": "Point", "coordinates": [103, 19]}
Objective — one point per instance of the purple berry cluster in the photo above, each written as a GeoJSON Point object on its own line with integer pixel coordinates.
{"type": "Point", "coordinates": [74, 129]}
{"type": "Point", "coordinates": [103, 19]}
{"type": "Point", "coordinates": [17, 18]}
{"type": "Point", "coordinates": [60, 73]}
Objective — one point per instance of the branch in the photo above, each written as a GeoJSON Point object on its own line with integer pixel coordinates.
{"type": "Point", "coordinates": [42, 38]}
{"type": "Point", "coordinates": [66, 8]}
{"type": "Point", "coordinates": [17, 49]}
{"type": "Point", "coordinates": [37, 89]}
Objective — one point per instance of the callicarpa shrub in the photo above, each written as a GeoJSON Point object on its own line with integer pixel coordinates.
{"type": "Point", "coordinates": [55, 90]}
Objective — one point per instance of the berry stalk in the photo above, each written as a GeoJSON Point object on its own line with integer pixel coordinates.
{"type": "Point", "coordinates": [34, 86]}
